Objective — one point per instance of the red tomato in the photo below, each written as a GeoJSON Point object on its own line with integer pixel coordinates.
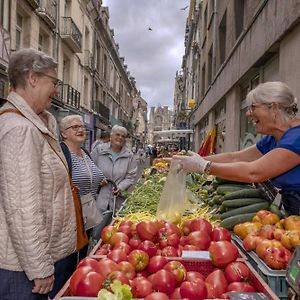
{"type": "Point", "coordinates": [143, 273]}
{"type": "Point", "coordinates": [117, 255]}
{"type": "Point", "coordinates": [127, 269]}
{"type": "Point", "coordinates": [146, 230]}
{"type": "Point", "coordinates": [190, 247]}
{"type": "Point", "coordinates": [251, 241]}
{"type": "Point", "coordinates": [126, 222]}
{"type": "Point", "coordinates": [117, 238]}
{"type": "Point", "coordinates": [220, 234]}
{"type": "Point", "coordinates": [106, 266]}
{"type": "Point", "coordinates": [116, 275]}
{"type": "Point", "coordinates": [199, 239]}
{"type": "Point", "coordinates": [186, 227]}
{"type": "Point", "coordinates": [126, 229]}
{"type": "Point", "coordinates": [172, 228]}
{"type": "Point", "coordinates": [149, 247]}
{"type": "Point", "coordinates": [241, 287]}
{"type": "Point", "coordinates": [193, 290]}
{"type": "Point", "coordinates": [141, 287]}
{"type": "Point", "coordinates": [139, 259]}
{"type": "Point", "coordinates": [173, 240]}
{"type": "Point", "coordinates": [194, 276]}
{"type": "Point", "coordinates": [201, 225]}
{"type": "Point", "coordinates": [216, 284]}
{"type": "Point", "coordinates": [222, 253]}
{"type": "Point", "coordinates": [175, 294]}
{"type": "Point", "coordinates": [134, 242]}
{"type": "Point", "coordinates": [237, 272]}
{"type": "Point", "coordinates": [183, 240]}
{"type": "Point", "coordinates": [156, 263]}
{"type": "Point", "coordinates": [107, 232]}
{"type": "Point", "coordinates": [76, 277]}
{"type": "Point", "coordinates": [177, 269]}
{"type": "Point", "coordinates": [124, 247]}
{"type": "Point", "coordinates": [169, 251]}
{"type": "Point", "coordinates": [164, 281]}
{"type": "Point", "coordinates": [87, 261]}
{"type": "Point", "coordinates": [277, 257]}
{"type": "Point", "coordinates": [157, 296]}
{"type": "Point", "coordinates": [89, 285]}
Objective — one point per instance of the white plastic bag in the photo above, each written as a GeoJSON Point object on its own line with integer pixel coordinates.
{"type": "Point", "coordinates": [173, 198]}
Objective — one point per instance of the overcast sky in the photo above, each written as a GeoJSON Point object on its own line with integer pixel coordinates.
{"type": "Point", "coordinates": [152, 56]}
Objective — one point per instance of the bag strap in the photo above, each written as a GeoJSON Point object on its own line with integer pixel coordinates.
{"type": "Point", "coordinates": [66, 151]}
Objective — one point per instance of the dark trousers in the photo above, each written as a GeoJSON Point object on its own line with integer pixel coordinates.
{"type": "Point", "coordinates": [16, 285]}
{"type": "Point", "coordinates": [291, 202]}
{"type": "Point", "coordinates": [63, 269]}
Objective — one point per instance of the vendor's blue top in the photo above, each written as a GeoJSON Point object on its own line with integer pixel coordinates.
{"type": "Point", "coordinates": [290, 140]}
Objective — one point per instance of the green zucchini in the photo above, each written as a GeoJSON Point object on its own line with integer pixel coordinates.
{"type": "Point", "coordinates": [245, 209]}
{"type": "Point", "coordinates": [234, 203]}
{"type": "Point", "coordinates": [230, 222]}
{"type": "Point", "coordinates": [275, 210]}
{"type": "Point", "coordinates": [245, 193]}
{"type": "Point", "coordinates": [229, 188]}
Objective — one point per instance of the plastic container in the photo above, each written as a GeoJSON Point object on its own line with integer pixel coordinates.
{"type": "Point", "coordinates": [275, 279]}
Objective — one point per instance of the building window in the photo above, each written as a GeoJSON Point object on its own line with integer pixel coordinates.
{"type": "Point", "coordinates": [209, 67]}
{"type": "Point", "coordinates": [104, 67]}
{"type": "Point", "coordinates": [19, 33]}
{"type": "Point", "coordinates": [239, 17]}
{"type": "Point", "coordinates": [41, 43]}
{"type": "Point", "coordinates": [86, 91]}
{"type": "Point", "coordinates": [222, 38]}
{"type": "Point", "coordinates": [203, 88]}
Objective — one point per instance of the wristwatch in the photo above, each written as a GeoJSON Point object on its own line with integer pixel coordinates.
{"type": "Point", "coordinates": [207, 168]}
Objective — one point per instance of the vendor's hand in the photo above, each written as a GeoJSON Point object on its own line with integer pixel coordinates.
{"type": "Point", "coordinates": [103, 182]}
{"type": "Point", "coordinates": [191, 163]}
{"type": "Point", "coordinates": [43, 285]}
{"type": "Point", "coordinates": [116, 191]}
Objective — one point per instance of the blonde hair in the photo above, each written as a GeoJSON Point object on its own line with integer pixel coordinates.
{"type": "Point", "coordinates": [66, 121]}
{"type": "Point", "coordinates": [274, 92]}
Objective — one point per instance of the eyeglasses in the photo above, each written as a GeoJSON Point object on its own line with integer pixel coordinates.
{"type": "Point", "coordinates": [120, 135]}
{"type": "Point", "coordinates": [56, 82]}
{"type": "Point", "coordinates": [76, 127]}
{"type": "Point", "coordinates": [252, 106]}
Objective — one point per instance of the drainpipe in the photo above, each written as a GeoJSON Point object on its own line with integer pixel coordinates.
{"type": "Point", "coordinates": [57, 31]}
{"type": "Point", "coordinates": [214, 50]}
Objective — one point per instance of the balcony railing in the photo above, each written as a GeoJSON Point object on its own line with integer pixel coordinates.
{"type": "Point", "coordinates": [71, 34]}
{"type": "Point", "coordinates": [47, 10]}
{"type": "Point", "coordinates": [101, 109]}
{"type": "Point", "coordinates": [4, 47]}
{"type": "Point", "coordinates": [71, 96]}
{"type": "Point", "coordinates": [34, 3]}
{"type": "Point", "coordinates": [88, 59]}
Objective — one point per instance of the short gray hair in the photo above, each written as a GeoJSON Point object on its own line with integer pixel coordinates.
{"type": "Point", "coordinates": [118, 128]}
{"type": "Point", "coordinates": [25, 60]}
{"type": "Point", "coordinates": [274, 92]}
{"type": "Point", "coordinates": [66, 121]}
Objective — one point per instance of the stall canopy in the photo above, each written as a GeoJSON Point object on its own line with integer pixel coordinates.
{"type": "Point", "coordinates": [172, 134]}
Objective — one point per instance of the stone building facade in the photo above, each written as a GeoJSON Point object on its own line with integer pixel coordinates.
{"type": "Point", "coordinates": [160, 118]}
{"type": "Point", "coordinates": [230, 47]}
{"type": "Point", "coordinates": [96, 82]}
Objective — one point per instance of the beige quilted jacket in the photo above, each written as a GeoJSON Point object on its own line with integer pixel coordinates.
{"type": "Point", "coordinates": [37, 217]}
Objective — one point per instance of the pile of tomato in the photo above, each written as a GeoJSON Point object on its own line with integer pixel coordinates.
{"type": "Point", "coordinates": [272, 239]}
{"type": "Point", "coordinates": [142, 256]}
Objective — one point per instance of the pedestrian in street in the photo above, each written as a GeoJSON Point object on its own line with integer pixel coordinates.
{"type": "Point", "coordinates": [117, 163]}
{"type": "Point", "coordinates": [38, 225]}
{"type": "Point", "coordinates": [276, 156]}
{"type": "Point", "coordinates": [104, 138]}
{"type": "Point", "coordinates": [86, 176]}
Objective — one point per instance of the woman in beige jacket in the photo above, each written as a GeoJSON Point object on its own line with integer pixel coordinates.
{"type": "Point", "coordinates": [37, 217]}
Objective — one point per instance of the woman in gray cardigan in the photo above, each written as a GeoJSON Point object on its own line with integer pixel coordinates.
{"type": "Point", "coordinates": [118, 164]}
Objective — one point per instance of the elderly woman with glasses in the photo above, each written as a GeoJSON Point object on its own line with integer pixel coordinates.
{"type": "Point", "coordinates": [272, 108]}
{"type": "Point", "coordinates": [86, 176]}
{"type": "Point", "coordinates": [38, 224]}
{"type": "Point", "coordinates": [117, 164]}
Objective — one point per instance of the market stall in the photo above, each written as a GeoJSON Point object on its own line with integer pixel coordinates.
{"type": "Point", "coordinates": [229, 242]}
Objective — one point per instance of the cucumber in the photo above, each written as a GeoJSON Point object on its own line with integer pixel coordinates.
{"type": "Point", "coordinates": [229, 188]}
{"type": "Point", "coordinates": [234, 203]}
{"type": "Point", "coordinates": [275, 210]}
{"type": "Point", "coordinates": [245, 193]}
{"type": "Point", "coordinates": [245, 209]}
{"type": "Point", "coordinates": [230, 222]}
